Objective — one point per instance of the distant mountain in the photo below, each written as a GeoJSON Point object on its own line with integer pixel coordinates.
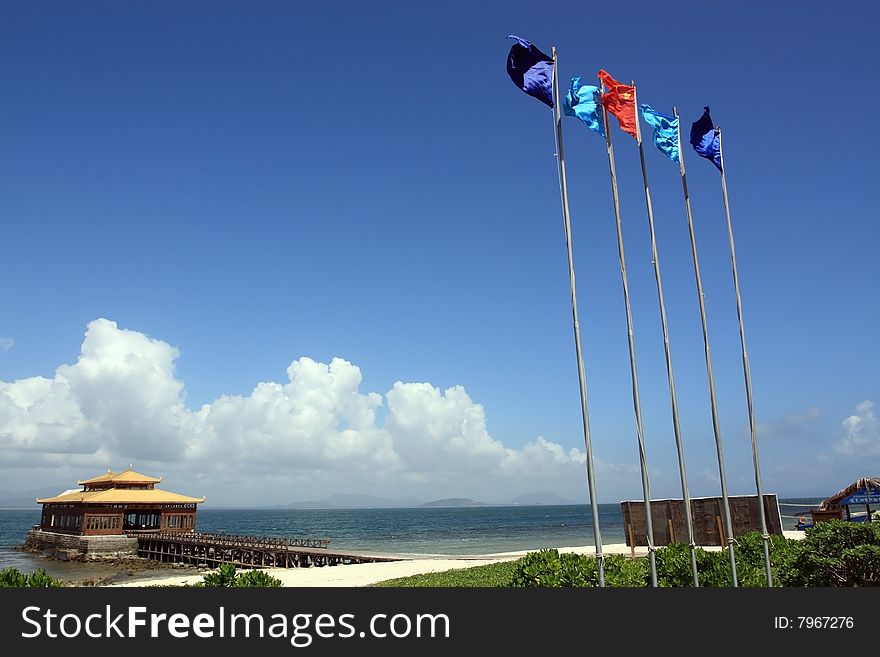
{"type": "Point", "coordinates": [453, 502]}
{"type": "Point", "coordinates": [340, 501]}
{"type": "Point", "coordinates": [540, 498]}
{"type": "Point", "coordinates": [25, 499]}
{"type": "Point", "coordinates": [355, 501]}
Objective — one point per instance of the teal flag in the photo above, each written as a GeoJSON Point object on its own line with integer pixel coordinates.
{"type": "Point", "coordinates": [665, 131]}
{"type": "Point", "coordinates": [584, 101]}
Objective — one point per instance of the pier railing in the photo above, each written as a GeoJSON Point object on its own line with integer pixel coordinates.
{"type": "Point", "coordinates": [238, 540]}
{"type": "Point", "coordinates": [245, 551]}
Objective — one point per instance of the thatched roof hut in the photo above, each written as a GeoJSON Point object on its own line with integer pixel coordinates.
{"type": "Point", "coordinates": [864, 491]}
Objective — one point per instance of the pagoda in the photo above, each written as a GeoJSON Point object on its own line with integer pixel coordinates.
{"type": "Point", "coordinates": [118, 503]}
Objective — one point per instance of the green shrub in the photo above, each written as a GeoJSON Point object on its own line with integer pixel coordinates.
{"type": "Point", "coordinates": [227, 577]}
{"type": "Point", "coordinates": [256, 579]}
{"type": "Point", "coordinates": [836, 553]}
{"type": "Point", "coordinates": [223, 578]}
{"type": "Point", "coordinates": [714, 568]}
{"type": "Point", "coordinates": [621, 571]}
{"type": "Point", "coordinates": [12, 578]}
{"type": "Point", "coordinates": [536, 569]}
{"type": "Point", "coordinates": [548, 568]}
{"type": "Point", "coordinates": [577, 570]}
{"type": "Point", "coordinates": [674, 565]}
{"type": "Point", "coordinates": [750, 567]}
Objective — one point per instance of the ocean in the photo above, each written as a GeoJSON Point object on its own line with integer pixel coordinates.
{"type": "Point", "coordinates": [455, 531]}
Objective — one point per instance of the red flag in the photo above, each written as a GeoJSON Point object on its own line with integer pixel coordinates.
{"type": "Point", "coordinates": [620, 100]}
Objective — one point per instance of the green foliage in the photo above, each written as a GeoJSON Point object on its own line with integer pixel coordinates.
{"type": "Point", "coordinates": [12, 578]}
{"type": "Point", "coordinates": [714, 568]}
{"type": "Point", "coordinates": [256, 579]}
{"type": "Point", "coordinates": [224, 577]}
{"type": "Point", "coordinates": [750, 567]}
{"type": "Point", "coordinates": [674, 566]}
{"type": "Point", "coordinates": [490, 575]}
{"type": "Point", "coordinates": [621, 571]}
{"type": "Point", "coordinates": [577, 570]}
{"type": "Point", "coordinates": [227, 577]}
{"type": "Point", "coordinates": [548, 568]}
{"type": "Point", "coordinates": [862, 565]}
{"type": "Point", "coordinates": [837, 553]}
{"type": "Point", "coordinates": [536, 569]}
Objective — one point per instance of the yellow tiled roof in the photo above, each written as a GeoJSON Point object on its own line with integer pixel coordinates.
{"type": "Point", "coordinates": [127, 476]}
{"type": "Point", "coordinates": [121, 496]}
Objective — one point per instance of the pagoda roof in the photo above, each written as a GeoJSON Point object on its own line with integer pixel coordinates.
{"type": "Point", "coordinates": [125, 477]}
{"type": "Point", "coordinates": [120, 496]}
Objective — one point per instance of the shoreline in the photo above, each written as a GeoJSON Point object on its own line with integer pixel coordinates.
{"type": "Point", "coordinates": [366, 574]}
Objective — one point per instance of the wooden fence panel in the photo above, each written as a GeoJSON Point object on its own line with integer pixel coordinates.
{"type": "Point", "coordinates": [706, 512]}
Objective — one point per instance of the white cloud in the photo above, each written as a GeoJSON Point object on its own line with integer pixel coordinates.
{"type": "Point", "coordinates": [6, 343]}
{"type": "Point", "coordinates": [794, 425]}
{"type": "Point", "coordinates": [862, 433]}
{"type": "Point", "coordinates": [121, 403]}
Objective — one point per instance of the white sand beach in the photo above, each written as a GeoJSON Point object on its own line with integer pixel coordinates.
{"type": "Point", "coordinates": [365, 574]}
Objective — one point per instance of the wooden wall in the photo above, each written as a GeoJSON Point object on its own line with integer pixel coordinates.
{"type": "Point", "coordinates": [706, 512]}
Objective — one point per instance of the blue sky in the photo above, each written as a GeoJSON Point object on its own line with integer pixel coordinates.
{"type": "Point", "coordinates": [253, 184]}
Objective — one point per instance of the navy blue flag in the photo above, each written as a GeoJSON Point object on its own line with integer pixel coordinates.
{"type": "Point", "coordinates": [531, 70]}
{"type": "Point", "coordinates": [706, 140]}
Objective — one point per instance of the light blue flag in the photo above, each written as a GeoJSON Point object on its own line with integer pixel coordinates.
{"type": "Point", "coordinates": [665, 131]}
{"type": "Point", "coordinates": [584, 102]}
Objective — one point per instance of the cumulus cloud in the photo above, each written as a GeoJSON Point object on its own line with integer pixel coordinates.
{"type": "Point", "coordinates": [121, 402]}
{"type": "Point", "coordinates": [862, 436]}
{"type": "Point", "coordinates": [6, 343]}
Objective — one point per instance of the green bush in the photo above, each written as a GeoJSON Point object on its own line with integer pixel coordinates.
{"type": "Point", "coordinates": [750, 567]}
{"type": "Point", "coordinates": [536, 569]}
{"type": "Point", "coordinates": [256, 579]}
{"type": "Point", "coordinates": [836, 553]}
{"type": "Point", "coordinates": [621, 571]}
{"type": "Point", "coordinates": [577, 570]}
{"type": "Point", "coordinates": [12, 578]}
{"type": "Point", "coordinates": [227, 577]}
{"type": "Point", "coordinates": [674, 566]}
{"type": "Point", "coordinates": [548, 568]}
{"type": "Point", "coordinates": [223, 578]}
{"type": "Point", "coordinates": [714, 568]}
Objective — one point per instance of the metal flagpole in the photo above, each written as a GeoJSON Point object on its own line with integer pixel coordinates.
{"type": "Point", "coordinates": [676, 426]}
{"type": "Point", "coordinates": [716, 425]}
{"type": "Point", "coordinates": [637, 405]}
{"type": "Point", "coordinates": [747, 373]}
{"type": "Point", "coordinates": [582, 381]}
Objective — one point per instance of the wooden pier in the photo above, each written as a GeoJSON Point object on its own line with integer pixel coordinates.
{"type": "Point", "coordinates": [244, 551]}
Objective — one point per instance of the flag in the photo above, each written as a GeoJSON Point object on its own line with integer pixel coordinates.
{"type": "Point", "coordinates": [620, 100]}
{"type": "Point", "coordinates": [665, 131]}
{"type": "Point", "coordinates": [582, 101]}
{"type": "Point", "coordinates": [531, 70]}
{"type": "Point", "coordinates": [706, 140]}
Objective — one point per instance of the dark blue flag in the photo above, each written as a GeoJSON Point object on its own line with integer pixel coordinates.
{"type": "Point", "coordinates": [531, 70]}
{"type": "Point", "coordinates": [706, 140]}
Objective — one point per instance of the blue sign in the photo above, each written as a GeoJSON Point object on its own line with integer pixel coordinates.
{"type": "Point", "coordinates": [862, 496]}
